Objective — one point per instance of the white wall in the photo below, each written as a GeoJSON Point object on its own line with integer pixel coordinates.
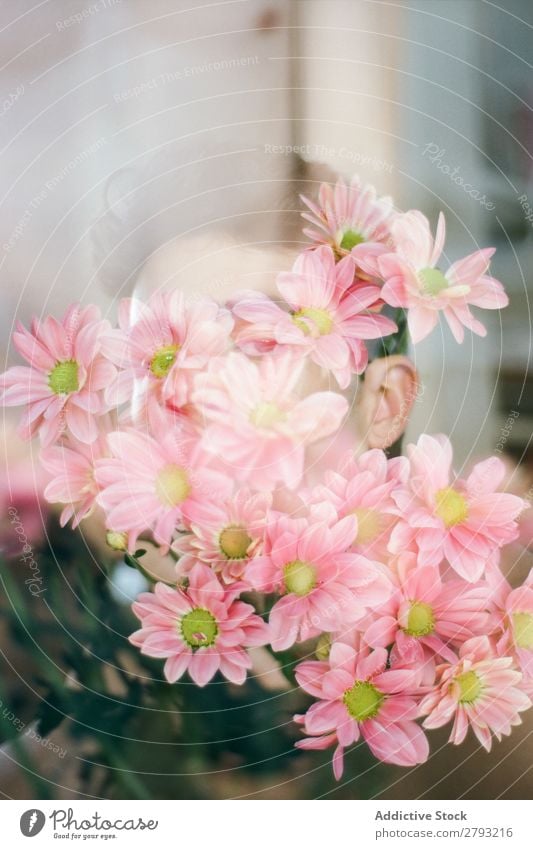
{"type": "Point", "coordinates": [92, 87]}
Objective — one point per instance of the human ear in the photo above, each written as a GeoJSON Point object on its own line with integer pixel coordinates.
{"type": "Point", "coordinates": [387, 394]}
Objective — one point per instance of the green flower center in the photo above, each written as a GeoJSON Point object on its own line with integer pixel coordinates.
{"type": "Point", "coordinates": [350, 239]}
{"type": "Point", "coordinates": [469, 687]}
{"type": "Point", "coordinates": [199, 628]}
{"type": "Point", "coordinates": [234, 542]}
{"type": "Point", "coordinates": [299, 577]}
{"type": "Point", "coordinates": [163, 360]}
{"type": "Point", "coordinates": [323, 646]}
{"type": "Point", "coordinates": [63, 379]}
{"type": "Point", "coordinates": [117, 540]}
{"type": "Point", "coordinates": [420, 621]}
{"type": "Point", "coordinates": [172, 485]}
{"type": "Point", "coordinates": [433, 281]}
{"type": "Point", "coordinates": [363, 700]}
{"type": "Point", "coordinates": [267, 415]}
{"type": "Point", "coordinates": [368, 525]}
{"type": "Point", "coordinates": [320, 318]}
{"type": "Point", "coordinates": [523, 630]}
{"type": "Point", "coordinates": [450, 506]}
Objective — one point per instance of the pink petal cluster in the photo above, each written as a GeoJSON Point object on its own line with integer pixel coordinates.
{"type": "Point", "coordinates": [363, 487]}
{"type": "Point", "coordinates": [480, 690]}
{"type": "Point", "coordinates": [156, 483]}
{"type": "Point", "coordinates": [189, 426]}
{"type": "Point", "coordinates": [413, 280]}
{"type": "Point", "coordinates": [63, 387]}
{"type": "Point", "coordinates": [71, 466]}
{"type": "Point", "coordinates": [323, 586]}
{"type": "Point", "coordinates": [323, 315]}
{"type": "Point", "coordinates": [513, 609]}
{"type": "Point", "coordinates": [397, 250]}
{"type": "Point", "coordinates": [255, 421]}
{"type": "Point", "coordinates": [202, 630]}
{"type": "Point", "coordinates": [427, 617]}
{"type": "Point", "coordinates": [352, 219]}
{"type": "Point", "coordinates": [462, 521]}
{"type": "Point", "coordinates": [230, 534]}
{"type": "Point", "coordinates": [160, 345]}
{"type": "Point", "coordinates": [359, 695]}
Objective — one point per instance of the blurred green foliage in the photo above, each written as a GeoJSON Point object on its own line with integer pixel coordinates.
{"type": "Point", "coordinates": [67, 664]}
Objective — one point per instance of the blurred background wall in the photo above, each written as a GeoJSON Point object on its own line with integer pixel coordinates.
{"type": "Point", "coordinates": [192, 107]}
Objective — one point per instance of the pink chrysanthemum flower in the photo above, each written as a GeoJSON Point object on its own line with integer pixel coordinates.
{"type": "Point", "coordinates": [413, 281]}
{"type": "Point", "coordinates": [229, 535]}
{"type": "Point", "coordinates": [327, 318]}
{"type": "Point", "coordinates": [362, 487]}
{"type": "Point", "coordinates": [71, 467]}
{"type": "Point", "coordinates": [514, 628]}
{"type": "Point", "coordinates": [324, 586]}
{"type": "Point", "coordinates": [63, 387]}
{"type": "Point", "coordinates": [161, 344]}
{"type": "Point", "coordinates": [256, 425]}
{"type": "Point", "coordinates": [480, 690]}
{"type": "Point", "coordinates": [360, 697]}
{"type": "Point", "coordinates": [462, 521]}
{"type": "Point", "coordinates": [201, 630]}
{"type": "Point", "coordinates": [427, 613]}
{"type": "Point", "coordinates": [352, 219]}
{"type": "Point", "coordinates": [156, 483]}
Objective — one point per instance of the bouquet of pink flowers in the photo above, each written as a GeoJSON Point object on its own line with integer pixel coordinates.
{"type": "Point", "coordinates": [189, 425]}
